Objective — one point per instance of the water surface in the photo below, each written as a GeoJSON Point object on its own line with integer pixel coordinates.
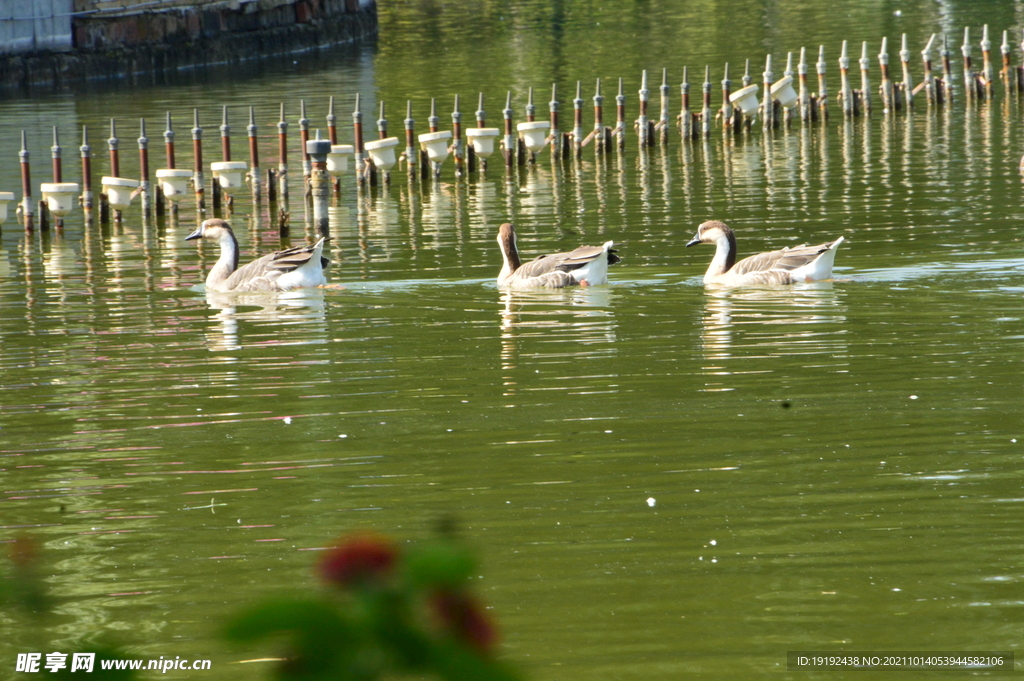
{"type": "Point", "coordinates": [659, 478]}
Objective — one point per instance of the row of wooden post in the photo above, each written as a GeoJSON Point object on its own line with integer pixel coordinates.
{"type": "Point", "coordinates": [810, 107]}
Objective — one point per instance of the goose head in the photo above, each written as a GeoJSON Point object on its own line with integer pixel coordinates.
{"type": "Point", "coordinates": [507, 243]}
{"type": "Point", "coordinates": [214, 228]}
{"type": "Point", "coordinates": [711, 232]}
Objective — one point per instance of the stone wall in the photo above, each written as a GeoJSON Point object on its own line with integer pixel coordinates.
{"type": "Point", "coordinates": [119, 38]}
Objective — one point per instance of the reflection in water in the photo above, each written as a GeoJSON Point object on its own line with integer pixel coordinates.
{"type": "Point", "coordinates": [290, 307]}
{"type": "Point", "coordinates": [555, 327]}
{"type": "Point", "coordinates": [762, 323]}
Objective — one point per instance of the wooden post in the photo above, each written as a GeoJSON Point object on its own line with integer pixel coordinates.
{"type": "Point", "coordinates": [382, 133]}
{"type": "Point", "coordinates": [457, 150]}
{"type": "Point", "coordinates": [865, 76]}
{"type": "Point", "coordinates": [115, 161]}
{"type": "Point", "coordinates": [727, 108]}
{"type": "Point", "coordinates": [908, 81]}
{"type": "Point", "coordinates": [845, 92]}
{"type": "Point", "coordinates": [87, 197]}
{"type": "Point", "coordinates": [987, 75]}
{"type": "Point", "coordinates": [554, 138]}
{"type": "Point", "coordinates": [360, 152]}
{"type": "Point", "coordinates": [509, 141]}
{"type": "Point", "coordinates": [481, 122]}
{"type": "Point", "coordinates": [822, 107]}
{"type": "Point", "coordinates": [946, 93]}
{"type": "Point", "coordinates": [768, 104]}
{"type": "Point", "coordinates": [433, 123]}
{"type": "Point", "coordinates": [888, 104]}
{"type": "Point", "coordinates": [410, 142]}
{"type": "Point", "coordinates": [1009, 83]}
{"type": "Point", "coordinates": [55, 156]}
{"type": "Point", "coordinates": [28, 210]}
{"type": "Point", "coordinates": [804, 97]}
{"type": "Point", "coordinates": [307, 164]}
{"type": "Point", "coordinates": [620, 115]}
{"type": "Point", "coordinates": [320, 183]}
{"type": "Point", "coordinates": [705, 110]}
{"type": "Point", "coordinates": [282, 169]}
{"type": "Point", "coordinates": [685, 115]}
{"type": "Point", "coordinates": [663, 119]}
{"type": "Point", "coordinates": [254, 157]}
{"type": "Point", "coordinates": [641, 121]}
{"type": "Point", "coordinates": [929, 78]}
{"type": "Point", "coordinates": [969, 87]}
{"type": "Point", "coordinates": [161, 202]}
{"type": "Point", "coordinates": [197, 165]}
{"type": "Point", "coordinates": [599, 133]}
{"type": "Point", "coordinates": [332, 135]}
{"type": "Point", "coordinates": [144, 169]}
{"type": "Point", "coordinates": [577, 122]}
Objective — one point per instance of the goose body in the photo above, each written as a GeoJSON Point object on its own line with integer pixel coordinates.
{"type": "Point", "coordinates": [785, 266]}
{"type": "Point", "coordinates": [585, 266]}
{"type": "Point", "coordinates": [299, 267]}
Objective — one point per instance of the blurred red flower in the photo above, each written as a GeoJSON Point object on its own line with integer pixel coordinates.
{"type": "Point", "coordinates": [463, 616]}
{"type": "Point", "coordinates": [359, 559]}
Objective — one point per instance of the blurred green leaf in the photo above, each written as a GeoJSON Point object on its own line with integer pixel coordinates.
{"type": "Point", "coordinates": [436, 564]}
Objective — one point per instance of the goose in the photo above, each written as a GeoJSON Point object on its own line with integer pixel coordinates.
{"type": "Point", "coordinates": [585, 266]}
{"type": "Point", "coordinates": [299, 267]}
{"type": "Point", "coordinates": [786, 266]}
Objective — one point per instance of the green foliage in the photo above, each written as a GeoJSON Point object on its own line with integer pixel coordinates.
{"type": "Point", "coordinates": [388, 612]}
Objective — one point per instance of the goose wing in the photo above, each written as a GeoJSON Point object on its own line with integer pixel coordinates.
{"type": "Point", "coordinates": [786, 259]}
{"type": "Point", "coordinates": [568, 261]}
{"type": "Point", "coordinates": [261, 274]}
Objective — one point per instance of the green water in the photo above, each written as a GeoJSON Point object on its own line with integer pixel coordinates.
{"type": "Point", "coordinates": [660, 479]}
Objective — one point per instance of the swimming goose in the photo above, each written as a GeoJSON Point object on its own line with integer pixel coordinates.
{"type": "Point", "coordinates": [585, 266]}
{"type": "Point", "coordinates": [299, 267]}
{"type": "Point", "coordinates": [787, 266]}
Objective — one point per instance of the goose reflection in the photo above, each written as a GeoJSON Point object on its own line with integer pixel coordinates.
{"type": "Point", "coordinates": [567, 327]}
{"type": "Point", "coordinates": [755, 327]}
{"type": "Point", "coordinates": [286, 310]}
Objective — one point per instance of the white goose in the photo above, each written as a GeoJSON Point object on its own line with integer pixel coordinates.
{"type": "Point", "coordinates": [786, 266]}
{"type": "Point", "coordinates": [299, 267]}
{"type": "Point", "coordinates": [585, 266]}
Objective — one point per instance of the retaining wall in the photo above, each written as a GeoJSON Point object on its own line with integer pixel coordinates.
{"type": "Point", "coordinates": [111, 39]}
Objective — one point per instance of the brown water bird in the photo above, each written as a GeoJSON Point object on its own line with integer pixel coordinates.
{"type": "Point", "coordinates": [786, 266]}
{"type": "Point", "coordinates": [299, 267]}
{"type": "Point", "coordinates": [585, 266]}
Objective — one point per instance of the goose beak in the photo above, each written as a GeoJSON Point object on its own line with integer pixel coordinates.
{"type": "Point", "coordinates": [693, 242]}
{"type": "Point", "coordinates": [195, 235]}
